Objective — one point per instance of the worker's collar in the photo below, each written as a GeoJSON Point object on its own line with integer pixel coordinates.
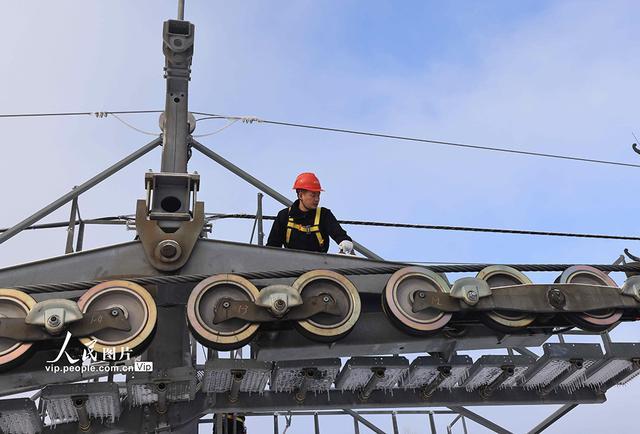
{"type": "Point", "coordinates": [296, 212]}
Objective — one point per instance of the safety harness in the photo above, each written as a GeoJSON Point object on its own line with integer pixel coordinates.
{"type": "Point", "coordinates": [315, 228]}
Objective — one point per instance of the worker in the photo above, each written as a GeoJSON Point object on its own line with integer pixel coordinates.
{"type": "Point", "coordinates": [305, 225]}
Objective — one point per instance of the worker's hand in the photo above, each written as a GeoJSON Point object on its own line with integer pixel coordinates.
{"type": "Point", "coordinates": [346, 247]}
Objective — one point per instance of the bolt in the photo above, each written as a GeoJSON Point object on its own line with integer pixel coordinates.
{"type": "Point", "coordinates": [168, 250]}
{"type": "Point", "coordinates": [226, 305]}
{"type": "Point", "coordinates": [326, 299]}
{"type": "Point", "coordinates": [556, 298]}
{"type": "Point", "coordinates": [472, 295]}
{"type": "Point", "coordinates": [279, 305]}
{"type": "Point", "coordinates": [421, 294]}
{"type": "Point", "coordinates": [114, 312]}
{"type": "Point", "coordinates": [53, 321]}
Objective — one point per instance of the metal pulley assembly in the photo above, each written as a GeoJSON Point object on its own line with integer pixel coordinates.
{"type": "Point", "coordinates": [403, 288]}
{"type": "Point", "coordinates": [217, 292]}
{"type": "Point", "coordinates": [599, 320]}
{"type": "Point", "coordinates": [115, 316]}
{"type": "Point", "coordinates": [127, 300]}
{"type": "Point", "coordinates": [13, 304]}
{"type": "Point", "coordinates": [328, 286]}
{"type": "Point", "coordinates": [420, 301]}
{"type": "Point", "coordinates": [225, 311]}
{"type": "Point", "coordinates": [504, 320]}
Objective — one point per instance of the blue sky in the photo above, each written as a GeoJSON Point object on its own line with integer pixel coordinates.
{"type": "Point", "coordinates": [538, 75]}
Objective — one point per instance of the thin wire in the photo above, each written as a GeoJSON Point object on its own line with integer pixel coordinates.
{"type": "Point", "coordinates": [231, 122]}
{"type": "Point", "coordinates": [449, 228]}
{"type": "Point", "coordinates": [33, 115]}
{"type": "Point", "coordinates": [421, 140]}
{"type": "Point", "coordinates": [133, 127]}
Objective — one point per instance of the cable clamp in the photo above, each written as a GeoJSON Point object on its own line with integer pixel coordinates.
{"type": "Point", "coordinates": [250, 119]}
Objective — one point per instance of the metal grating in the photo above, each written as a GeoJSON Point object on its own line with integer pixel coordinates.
{"type": "Point", "coordinates": [424, 370]}
{"type": "Point", "coordinates": [359, 370]}
{"type": "Point", "coordinates": [488, 369]}
{"type": "Point", "coordinates": [289, 375]}
{"type": "Point", "coordinates": [218, 375]}
{"type": "Point", "coordinates": [563, 365]}
{"type": "Point", "coordinates": [19, 416]}
{"type": "Point", "coordinates": [103, 401]}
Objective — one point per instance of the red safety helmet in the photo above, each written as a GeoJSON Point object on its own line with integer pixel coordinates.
{"type": "Point", "coordinates": [307, 181]}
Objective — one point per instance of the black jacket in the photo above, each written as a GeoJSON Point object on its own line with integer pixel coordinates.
{"type": "Point", "coordinates": [329, 227]}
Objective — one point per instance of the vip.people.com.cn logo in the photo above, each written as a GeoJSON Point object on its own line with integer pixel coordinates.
{"type": "Point", "coordinates": [118, 357]}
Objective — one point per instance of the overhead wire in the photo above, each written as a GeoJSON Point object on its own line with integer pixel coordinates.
{"type": "Point", "coordinates": [449, 228]}
{"type": "Point", "coordinates": [218, 216]}
{"type": "Point", "coordinates": [56, 114]}
{"type": "Point", "coordinates": [421, 140]}
{"type": "Point", "coordinates": [253, 119]}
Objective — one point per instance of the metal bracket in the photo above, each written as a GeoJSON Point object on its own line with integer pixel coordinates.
{"type": "Point", "coordinates": [279, 298]}
{"type": "Point", "coordinates": [168, 251]}
{"type": "Point", "coordinates": [54, 315]}
{"type": "Point", "coordinates": [538, 298]}
{"type": "Point", "coordinates": [631, 287]}
{"type": "Point", "coordinates": [91, 323]}
{"type": "Point", "coordinates": [227, 309]}
{"type": "Point", "coordinates": [470, 290]}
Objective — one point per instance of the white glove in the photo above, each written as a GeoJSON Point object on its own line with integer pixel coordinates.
{"type": "Point", "coordinates": [346, 247]}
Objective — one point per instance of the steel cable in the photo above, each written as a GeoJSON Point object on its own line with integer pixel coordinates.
{"type": "Point", "coordinates": [450, 228]}
{"type": "Point", "coordinates": [359, 271]}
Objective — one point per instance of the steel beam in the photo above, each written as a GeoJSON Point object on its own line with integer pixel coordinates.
{"type": "Point", "coordinates": [364, 421]}
{"type": "Point", "coordinates": [551, 419]}
{"type": "Point", "coordinates": [178, 39]}
{"type": "Point", "coordinates": [349, 401]}
{"type": "Point", "coordinates": [72, 226]}
{"type": "Point", "coordinates": [208, 257]}
{"type": "Point", "coordinates": [80, 240]}
{"type": "Point", "coordinates": [181, 9]}
{"type": "Point", "coordinates": [259, 221]}
{"type": "Point", "coordinates": [480, 420]}
{"type": "Point", "coordinates": [525, 352]}
{"type": "Point", "coordinates": [373, 330]}
{"type": "Point", "coordinates": [32, 376]}
{"type": "Point", "coordinates": [432, 424]}
{"type": "Point", "coordinates": [263, 187]}
{"type": "Point", "coordinates": [14, 230]}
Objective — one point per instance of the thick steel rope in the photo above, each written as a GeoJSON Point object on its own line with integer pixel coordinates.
{"type": "Point", "coordinates": [280, 274]}
{"type": "Point", "coordinates": [447, 228]}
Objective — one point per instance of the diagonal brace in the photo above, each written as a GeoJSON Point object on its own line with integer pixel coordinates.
{"type": "Point", "coordinates": [363, 421]}
{"type": "Point", "coordinates": [480, 420]}
{"type": "Point", "coordinates": [16, 229]}
{"type": "Point", "coordinates": [552, 418]}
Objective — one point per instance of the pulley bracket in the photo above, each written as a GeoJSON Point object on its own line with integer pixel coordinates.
{"type": "Point", "coordinates": [91, 323]}
{"type": "Point", "coordinates": [168, 251]}
{"type": "Point", "coordinates": [227, 309]}
{"type": "Point", "coordinates": [536, 298]}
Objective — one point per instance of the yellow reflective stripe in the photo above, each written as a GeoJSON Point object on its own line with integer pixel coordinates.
{"type": "Point", "coordinates": [316, 222]}
{"type": "Point", "coordinates": [288, 235]}
{"type": "Point", "coordinates": [302, 228]}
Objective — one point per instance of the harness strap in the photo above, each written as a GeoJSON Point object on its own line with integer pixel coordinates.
{"type": "Point", "coordinates": [315, 228]}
